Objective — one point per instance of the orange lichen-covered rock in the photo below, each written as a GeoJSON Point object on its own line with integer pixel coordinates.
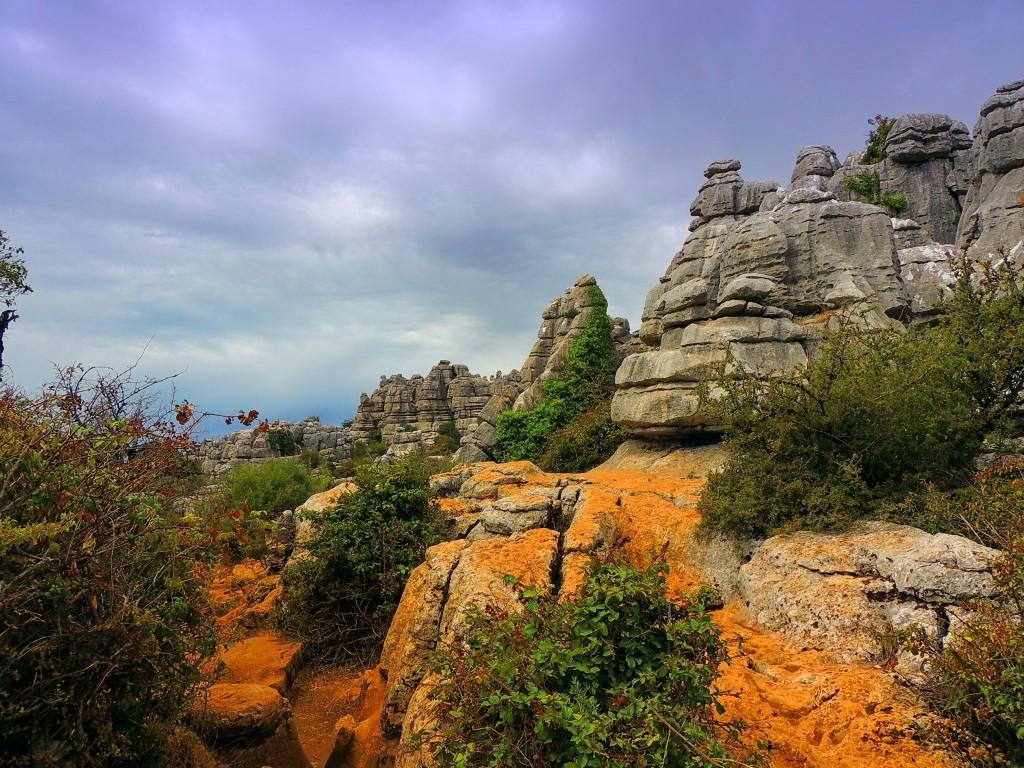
{"type": "Point", "coordinates": [265, 659]}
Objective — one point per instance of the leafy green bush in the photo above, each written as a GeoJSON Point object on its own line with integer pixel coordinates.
{"type": "Point", "coordinates": [875, 145]}
{"type": "Point", "coordinates": [875, 417]}
{"type": "Point", "coordinates": [273, 486]}
{"type": "Point", "coordinates": [585, 442]}
{"type": "Point", "coordinates": [282, 441]}
{"type": "Point", "coordinates": [879, 422]}
{"type": "Point", "coordinates": [102, 603]}
{"type": "Point", "coordinates": [586, 380]}
{"type": "Point", "coordinates": [617, 676]}
{"type": "Point", "coordinates": [867, 185]}
{"type": "Point", "coordinates": [341, 600]}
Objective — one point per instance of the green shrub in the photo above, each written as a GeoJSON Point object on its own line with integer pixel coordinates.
{"type": "Point", "coordinates": [586, 379]}
{"type": "Point", "coordinates": [282, 441]}
{"type": "Point", "coordinates": [585, 442]}
{"type": "Point", "coordinates": [342, 599]}
{"type": "Point", "coordinates": [617, 676]}
{"type": "Point", "coordinates": [875, 417]}
{"type": "Point", "coordinates": [875, 145]}
{"type": "Point", "coordinates": [102, 603]}
{"type": "Point", "coordinates": [867, 185]}
{"type": "Point", "coordinates": [448, 429]}
{"type": "Point", "coordinates": [311, 459]}
{"type": "Point", "coordinates": [272, 486]}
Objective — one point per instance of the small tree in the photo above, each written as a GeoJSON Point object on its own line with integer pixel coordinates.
{"type": "Point", "coordinates": [12, 285]}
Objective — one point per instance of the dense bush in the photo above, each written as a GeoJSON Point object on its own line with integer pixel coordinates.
{"type": "Point", "coordinates": [617, 676]}
{"type": "Point", "coordinates": [586, 380]}
{"type": "Point", "coordinates": [273, 486]}
{"type": "Point", "coordinates": [868, 186]}
{"type": "Point", "coordinates": [879, 418]}
{"type": "Point", "coordinates": [585, 442]}
{"type": "Point", "coordinates": [103, 620]}
{"type": "Point", "coordinates": [282, 441]}
{"type": "Point", "coordinates": [341, 599]}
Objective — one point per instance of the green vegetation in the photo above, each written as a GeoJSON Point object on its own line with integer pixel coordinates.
{"type": "Point", "coordinates": [878, 418]}
{"type": "Point", "coordinates": [273, 486]}
{"type": "Point", "coordinates": [584, 443]}
{"type": "Point", "coordinates": [585, 383]}
{"type": "Point", "coordinates": [102, 601]}
{"type": "Point", "coordinates": [867, 185]}
{"type": "Point", "coordinates": [341, 599]}
{"type": "Point", "coordinates": [618, 676]}
{"type": "Point", "coordinates": [875, 145]}
{"type": "Point", "coordinates": [976, 679]}
{"type": "Point", "coordinates": [282, 441]}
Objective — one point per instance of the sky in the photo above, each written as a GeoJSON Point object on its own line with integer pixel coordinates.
{"type": "Point", "coordinates": [282, 201]}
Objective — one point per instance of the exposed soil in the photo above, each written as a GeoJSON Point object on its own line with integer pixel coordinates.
{"type": "Point", "coordinates": [319, 699]}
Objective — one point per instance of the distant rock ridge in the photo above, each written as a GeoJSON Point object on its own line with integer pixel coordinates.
{"type": "Point", "coordinates": [410, 411]}
{"type": "Point", "coordinates": [561, 324]}
{"type": "Point", "coordinates": [251, 446]}
{"type": "Point", "coordinates": [765, 264]}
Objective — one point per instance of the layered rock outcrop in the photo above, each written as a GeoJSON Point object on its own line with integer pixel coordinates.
{"type": "Point", "coordinates": [752, 284]}
{"type": "Point", "coordinates": [252, 446]}
{"type": "Point", "coordinates": [448, 393]}
{"type": "Point", "coordinates": [561, 324]}
{"type": "Point", "coordinates": [764, 265]}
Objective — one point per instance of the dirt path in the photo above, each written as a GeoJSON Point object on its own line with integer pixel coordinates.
{"type": "Point", "coordinates": [319, 699]}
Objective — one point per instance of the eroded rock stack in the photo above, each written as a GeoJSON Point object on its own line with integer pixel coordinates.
{"type": "Point", "coordinates": [764, 264]}
{"type": "Point", "coordinates": [408, 412]}
{"type": "Point", "coordinates": [993, 216]}
{"type": "Point", "coordinates": [253, 446]}
{"type": "Point", "coordinates": [561, 324]}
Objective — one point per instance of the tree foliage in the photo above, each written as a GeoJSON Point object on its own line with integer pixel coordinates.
{"type": "Point", "coordinates": [13, 283]}
{"type": "Point", "coordinates": [875, 145]}
{"type": "Point", "coordinates": [616, 676]}
{"type": "Point", "coordinates": [341, 599]}
{"type": "Point", "coordinates": [103, 618]}
{"type": "Point", "coordinates": [586, 381]}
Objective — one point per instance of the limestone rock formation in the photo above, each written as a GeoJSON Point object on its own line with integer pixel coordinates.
{"type": "Point", "coordinates": [927, 158]}
{"type": "Point", "coordinates": [449, 392]}
{"type": "Point", "coordinates": [543, 528]}
{"type": "Point", "coordinates": [993, 216]}
{"type": "Point", "coordinates": [750, 282]}
{"type": "Point", "coordinates": [253, 446]}
{"type": "Point", "coordinates": [561, 323]}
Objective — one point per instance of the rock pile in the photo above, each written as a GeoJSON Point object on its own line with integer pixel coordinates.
{"type": "Point", "coordinates": [253, 446]}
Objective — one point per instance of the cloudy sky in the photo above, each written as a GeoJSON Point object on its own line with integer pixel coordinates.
{"type": "Point", "coordinates": [283, 201]}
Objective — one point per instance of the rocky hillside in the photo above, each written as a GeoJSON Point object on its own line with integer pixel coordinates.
{"type": "Point", "coordinates": [253, 446]}
{"type": "Point", "coordinates": [765, 264]}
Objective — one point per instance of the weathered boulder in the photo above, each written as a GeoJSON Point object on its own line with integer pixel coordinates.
{"type": "Point", "coordinates": [842, 593]}
{"type": "Point", "coordinates": [993, 215]}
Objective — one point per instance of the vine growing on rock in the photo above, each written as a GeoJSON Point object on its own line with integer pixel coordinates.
{"type": "Point", "coordinates": [584, 387]}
